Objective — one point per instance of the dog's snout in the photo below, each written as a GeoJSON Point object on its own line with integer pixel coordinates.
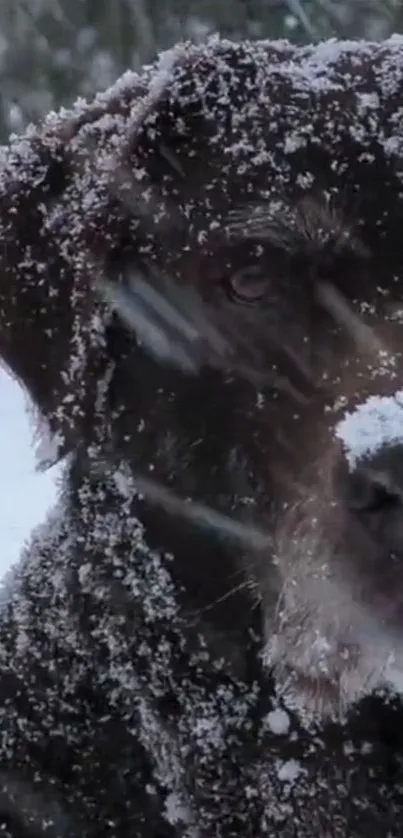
{"type": "Point", "coordinates": [371, 467]}
{"type": "Point", "coordinates": [375, 489]}
{"type": "Point", "coordinates": [372, 493]}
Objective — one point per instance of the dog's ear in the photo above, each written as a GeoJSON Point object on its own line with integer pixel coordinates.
{"type": "Point", "coordinates": [48, 323]}
{"type": "Point", "coordinates": [56, 189]}
{"type": "Point", "coordinates": [78, 196]}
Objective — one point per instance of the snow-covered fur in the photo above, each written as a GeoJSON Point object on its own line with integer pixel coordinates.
{"type": "Point", "coordinates": [200, 275]}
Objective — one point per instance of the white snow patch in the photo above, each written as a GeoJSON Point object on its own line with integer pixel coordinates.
{"type": "Point", "coordinates": [375, 423]}
{"type": "Point", "coordinates": [289, 771]}
{"type": "Point", "coordinates": [278, 721]}
{"type": "Point", "coordinates": [368, 101]}
{"type": "Point", "coordinates": [176, 810]}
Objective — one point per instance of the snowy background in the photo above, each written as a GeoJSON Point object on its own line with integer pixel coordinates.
{"type": "Point", "coordinates": [25, 494]}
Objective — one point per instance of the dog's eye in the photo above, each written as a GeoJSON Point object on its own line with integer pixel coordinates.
{"type": "Point", "coordinates": [248, 285]}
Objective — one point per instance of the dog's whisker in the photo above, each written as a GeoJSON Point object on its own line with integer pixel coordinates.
{"type": "Point", "coordinates": [247, 584]}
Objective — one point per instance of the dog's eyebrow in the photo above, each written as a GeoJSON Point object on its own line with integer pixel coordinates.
{"type": "Point", "coordinates": [310, 223]}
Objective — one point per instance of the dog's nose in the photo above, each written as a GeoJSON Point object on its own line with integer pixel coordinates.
{"type": "Point", "coordinates": [372, 466]}
{"type": "Point", "coordinates": [377, 487]}
{"type": "Point", "coordinates": [373, 494]}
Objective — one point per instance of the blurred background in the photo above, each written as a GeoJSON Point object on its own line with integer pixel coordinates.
{"type": "Point", "coordinates": [52, 51]}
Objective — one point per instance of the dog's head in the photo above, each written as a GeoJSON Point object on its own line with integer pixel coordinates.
{"type": "Point", "coordinates": [202, 270]}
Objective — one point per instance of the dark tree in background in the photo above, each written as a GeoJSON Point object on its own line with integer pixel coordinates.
{"type": "Point", "coordinates": [51, 51]}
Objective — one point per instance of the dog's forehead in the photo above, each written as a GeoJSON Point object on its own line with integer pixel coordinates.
{"type": "Point", "coordinates": [243, 92]}
{"type": "Point", "coordinates": [237, 124]}
{"type": "Point", "coordinates": [210, 127]}
{"type": "Point", "coordinates": [251, 106]}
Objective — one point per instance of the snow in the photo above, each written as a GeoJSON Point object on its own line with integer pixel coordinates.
{"type": "Point", "coordinates": [26, 494]}
{"type": "Point", "coordinates": [370, 426]}
{"type": "Point", "coordinates": [176, 811]}
{"type": "Point", "coordinates": [278, 721]}
{"type": "Point", "coordinates": [289, 771]}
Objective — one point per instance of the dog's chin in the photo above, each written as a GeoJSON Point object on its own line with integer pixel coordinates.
{"type": "Point", "coordinates": [319, 697]}
{"type": "Point", "coordinates": [326, 648]}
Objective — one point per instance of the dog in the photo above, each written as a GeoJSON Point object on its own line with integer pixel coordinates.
{"type": "Point", "coordinates": [201, 293]}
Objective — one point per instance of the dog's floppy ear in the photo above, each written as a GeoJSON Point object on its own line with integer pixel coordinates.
{"type": "Point", "coordinates": [60, 193]}
{"type": "Point", "coordinates": [80, 196]}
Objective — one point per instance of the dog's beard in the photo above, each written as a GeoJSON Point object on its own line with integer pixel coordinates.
{"type": "Point", "coordinates": [327, 646]}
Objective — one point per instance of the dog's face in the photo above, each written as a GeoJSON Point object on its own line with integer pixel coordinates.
{"type": "Point", "coordinates": [253, 359]}
{"type": "Point", "coordinates": [305, 410]}
{"type": "Point", "coordinates": [280, 308]}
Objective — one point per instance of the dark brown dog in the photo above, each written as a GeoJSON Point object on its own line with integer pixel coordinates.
{"type": "Point", "coordinates": [200, 290]}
